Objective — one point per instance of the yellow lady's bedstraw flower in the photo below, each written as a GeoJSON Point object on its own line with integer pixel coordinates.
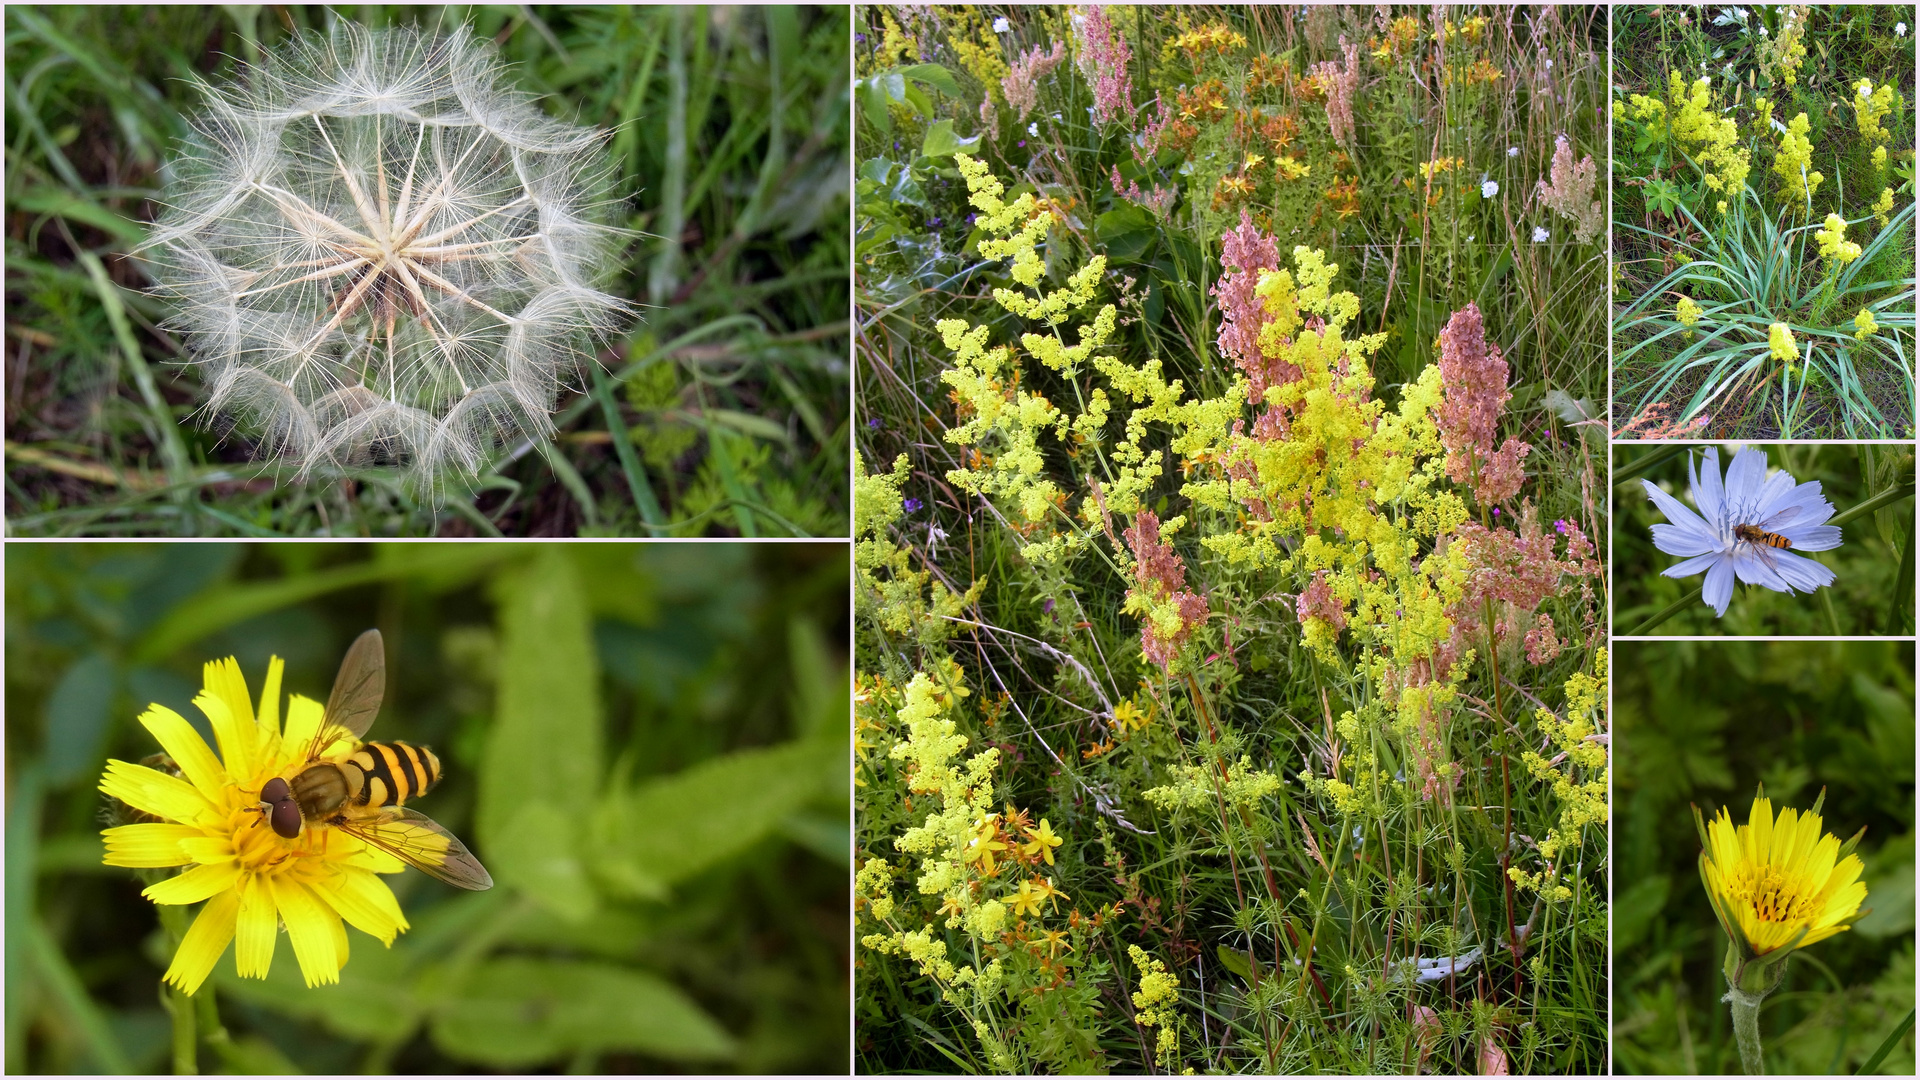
{"type": "Point", "coordinates": [1687, 311]}
{"type": "Point", "coordinates": [253, 880]}
{"type": "Point", "coordinates": [1863, 325]}
{"type": "Point", "coordinates": [1780, 342]}
{"type": "Point", "coordinates": [1779, 883]}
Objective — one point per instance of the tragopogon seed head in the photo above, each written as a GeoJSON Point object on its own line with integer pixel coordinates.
{"type": "Point", "coordinates": [384, 254]}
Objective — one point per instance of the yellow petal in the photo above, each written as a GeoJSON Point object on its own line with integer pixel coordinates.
{"type": "Point", "coordinates": [157, 793]}
{"type": "Point", "coordinates": [195, 885]}
{"type": "Point", "coordinates": [149, 844]}
{"type": "Point", "coordinates": [224, 701]}
{"type": "Point", "coordinates": [270, 697]}
{"type": "Point", "coordinates": [365, 901]}
{"type": "Point", "coordinates": [310, 926]}
{"type": "Point", "coordinates": [189, 751]}
{"type": "Point", "coordinates": [303, 723]}
{"type": "Point", "coordinates": [209, 849]}
{"type": "Point", "coordinates": [258, 930]}
{"type": "Point", "coordinates": [206, 939]}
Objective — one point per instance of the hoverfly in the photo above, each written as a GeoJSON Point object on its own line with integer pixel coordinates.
{"type": "Point", "coordinates": [360, 791]}
{"type": "Point", "coordinates": [1754, 534]}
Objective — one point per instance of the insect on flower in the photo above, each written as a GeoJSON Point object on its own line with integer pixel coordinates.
{"type": "Point", "coordinates": [333, 804]}
{"type": "Point", "coordinates": [1745, 527]}
{"type": "Point", "coordinates": [383, 254]}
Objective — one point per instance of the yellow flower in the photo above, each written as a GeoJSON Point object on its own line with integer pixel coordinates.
{"type": "Point", "coordinates": [1687, 312]}
{"type": "Point", "coordinates": [1779, 883]}
{"type": "Point", "coordinates": [1780, 342]}
{"type": "Point", "coordinates": [1833, 241]}
{"type": "Point", "coordinates": [253, 880]}
{"type": "Point", "coordinates": [1864, 326]}
{"type": "Point", "coordinates": [1042, 841]}
{"type": "Point", "coordinates": [984, 842]}
{"type": "Point", "coordinates": [1026, 900]}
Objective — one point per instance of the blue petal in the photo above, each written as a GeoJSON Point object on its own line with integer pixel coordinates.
{"type": "Point", "coordinates": [1684, 540]}
{"type": "Point", "coordinates": [1708, 495]}
{"type": "Point", "coordinates": [1717, 590]}
{"type": "Point", "coordinates": [1812, 537]}
{"type": "Point", "coordinates": [1683, 519]}
{"type": "Point", "coordinates": [1803, 574]}
{"type": "Point", "coordinates": [1694, 565]}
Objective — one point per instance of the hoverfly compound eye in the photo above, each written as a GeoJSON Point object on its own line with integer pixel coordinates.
{"type": "Point", "coordinates": [275, 791]}
{"type": "Point", "coordinates": [286, 818]}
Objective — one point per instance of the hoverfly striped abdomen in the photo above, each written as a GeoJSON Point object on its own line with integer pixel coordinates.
{"type": "Point", "coordinates": [395, 772]}
{"type": "Point", "coordinates": [1753, 534]}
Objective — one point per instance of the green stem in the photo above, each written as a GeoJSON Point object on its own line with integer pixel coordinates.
{"type": "Point", "coordinates": [1746, 1032]}
{"type": "Point", "coordinates": [186, 1035]}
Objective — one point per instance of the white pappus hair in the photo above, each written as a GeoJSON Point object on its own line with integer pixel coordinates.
{"type": "Point", "coordinates": [383, 253]}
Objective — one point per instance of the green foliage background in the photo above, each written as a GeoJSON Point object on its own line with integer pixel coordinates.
{"type": "Point", "coordinates": [1702, 723]}
{"type": "Point", "coordinates": [1872, 593]}
{"type": "Point", "coordinates": [645, 744]}
{"type": "Point", "coordinates": [723, 411]}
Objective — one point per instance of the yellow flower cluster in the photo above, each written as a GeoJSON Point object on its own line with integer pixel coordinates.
{"type": "Point", "coordinates": [1155, 1004]}
{"type": "Point", "coordinates": [1195, 787]}
{"type": "Point", "coordinates": [902, 600]}
{"type": "Point", "coordinates": [1833, 241]}
{"type": "Point", "coordinates": [1688, 118]}
{"type": "Point", "coordinates": [1581, 790]}
{"type": "Point", "coordinates": [1780, 55]}
{"type": "Point", "coordinates": [1430, 169]}
{"type": "Point", "coordinates": [1864, 326]}
{"type": "Point", "coordinates": [1687, 312]}
{"type": "Point", "coordinates": [1793, 162]}
{"type": "Point", "coordinates": [1780, 343]}
{"type": "Point", "coordinates": [1213, 37]}
{"type": "Point", "coordinates": [1869, 106]}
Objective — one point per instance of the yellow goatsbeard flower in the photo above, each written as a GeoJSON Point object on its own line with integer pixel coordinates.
{"type": "Point", "coordinates": [252, 879]}
{"type": "Point", "coordinates": [1779, 883]}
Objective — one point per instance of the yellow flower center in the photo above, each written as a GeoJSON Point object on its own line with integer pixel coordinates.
{"type": "Point", "coordinates": [1774, 896]}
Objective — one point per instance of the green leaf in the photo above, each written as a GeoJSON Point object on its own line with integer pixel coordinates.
{"type": "Point", "coordinates": [516, 1012]}
{"type": "Point", "coordinates": [77, 718]}
{"type": "Point", "coordinates": [1125, 234]}
{"type": "Point", "coordinates": [545, 746]}
{"type": "Point", "coordinates": [535, 853]}
{"type": "Point", "coordinates": [942, 142]}
{"type": "Point", "coordinates": [1233, 961]}
{"type": "Point", "coordinates": [935, 76]}
{"type": "Point", "coordinates": [672, 828]}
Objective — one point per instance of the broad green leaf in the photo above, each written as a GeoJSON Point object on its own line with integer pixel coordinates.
{"type": "Point", "coordinates": [545, 745]}
{"type": "Point", "coordinates": [673, 828]}
{"type": "Point", "coordinates": [536, 854]}
{"type": "Point", "coordinates": [941, 141]}
{"type": "Point", "coordinates": [77, 718]}
{"type": "Point", "coordinates": [935, 76]}
{"type": "Point", "coordinates": [517, 1011]}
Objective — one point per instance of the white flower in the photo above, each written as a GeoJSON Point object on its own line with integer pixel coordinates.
{"type": "Point", "coordinates": [1002, 26]}
{"type": "Point", "coordinates": [1864, 88]}
{"type": "Point", "coordinates": [1513, 151]}
{"type": "Point", "coordinates": [385, 253]}
{"type": "Point", "coordinates": [1033, 130]}
{"type": "Point", "coordinates": [1549, 65]}
{"type": "Point", "coordinates": [1749, 497]}
{"type": "Point", "coordinates": [1899, 29]}
{"type": "Point", "coordinates": [1763, 32]}
{"type": "Point", "coordinates": [1539, 234]}
{"type": "Point", "coordinates": [1488, 189]}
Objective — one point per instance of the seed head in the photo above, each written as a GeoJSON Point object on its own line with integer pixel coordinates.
{"type": "Point", "coordinates": [384, 254]}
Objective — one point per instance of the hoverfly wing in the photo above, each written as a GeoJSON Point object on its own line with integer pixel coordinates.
{"type": "Point", "coordinates": [357, 692]}
{"type": "Point", "coordinates": [422, 843]}
{"type": "Point", "coordinates": [1775, 522]}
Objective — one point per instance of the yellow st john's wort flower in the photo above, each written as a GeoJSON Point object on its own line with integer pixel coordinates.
{"type": "Point", "coordinates": [1779, 883]}
{"type": "Point", "coordinates": [253, 880]}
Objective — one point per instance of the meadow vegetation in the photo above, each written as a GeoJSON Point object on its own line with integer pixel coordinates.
{"type": "Point", "coordinates": [1231, 668]}
{"type": "Point", "coordinates": [1763, 204]}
